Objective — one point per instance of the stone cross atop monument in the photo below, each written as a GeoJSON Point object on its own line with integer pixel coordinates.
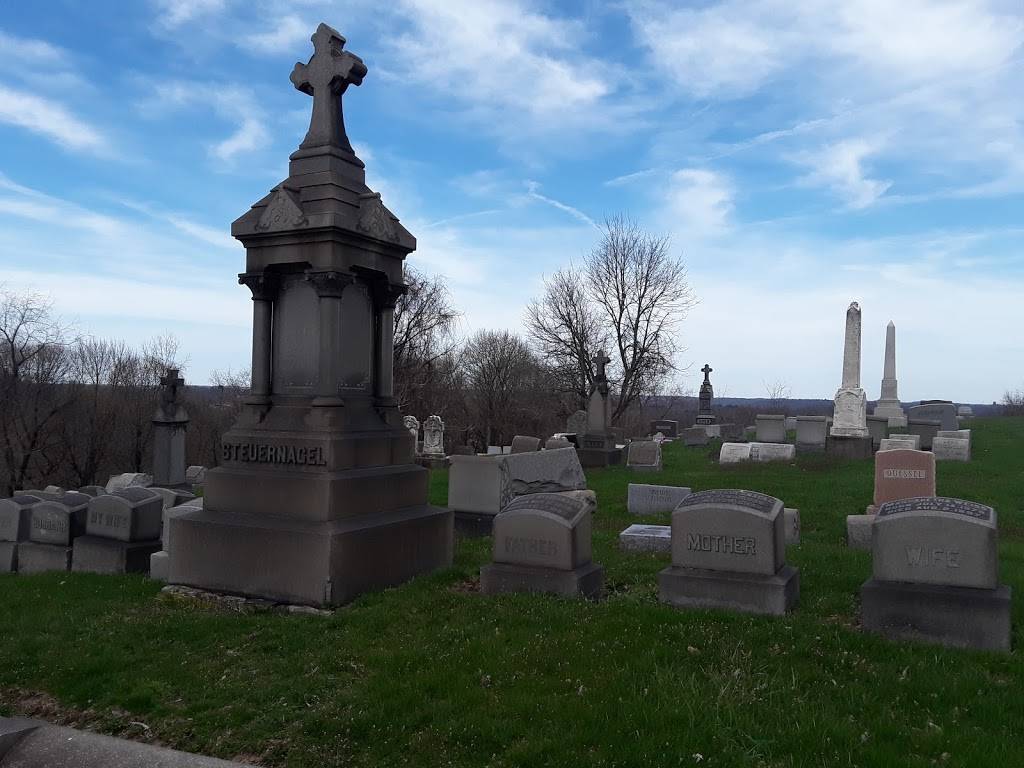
{"type": "Point", "coordinates": [169, 424]}
{"type": "Point", "coordinates": [171, 386]}
{"type": "Point", "coordinates": [707, 370]}
{"type": "Point", "coordinates": [600, 360]}
{"type": "Point", "coordinates": [326, 77]}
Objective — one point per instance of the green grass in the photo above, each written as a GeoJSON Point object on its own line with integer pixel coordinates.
{"type": "Point", "coordinates": [434, 673]}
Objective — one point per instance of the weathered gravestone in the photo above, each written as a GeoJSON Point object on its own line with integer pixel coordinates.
{"type": "Point", "coordinates": [725, 431]}
{"type": "Point", "coordinates": [169, 425]}
{"type": "Point", "coordinates": [941, 411]}
{"type": "Point", "coordinates": [811, 433]}
{"type": "Point", "coordinates": [128, 480]}
{"type": "Point", "coordinates": [653, 499]}
{"type": "Point", "coordinates": [951, 448]}
{"type": "Point", "coordinates": [646, 538]}
{"type": "Point", "coordinates": [734, 453]}
{"type": "Point", "coordinates": [912, 443]}
{"type": "Point", "coordinates": [849, 432]}
{"type": "Point", "coordinates": [577, 424]}
{"type": "Point", "coordinates": [542, 543]}
{"type": "Point", "coordinates": [525, 444]}
{"type": "Point", "coordinates": [667, 427]}
{"type": "Point", "coordinates": [55, 526]}
{"type": "Point", "coordinates": [770, 428]}
{"type": "Point", "coordinates": [479, 487]}
{"type": "Point", "coordinates": [195, 475]}
{"type": "Point", "coordinates": [433, 436]}
{"type": "Point", "coordinates": [318, 498]}
{"type": "Point", "coordinates": [729, 551]}
{"type": "Point", "coordinates": [899, 474]}
{"type": "Point", "coordinates": [412, 424]}
{"type": "Point", "coordinates": [764, 452]}
{"type": "Point", "coordinates": [695, 436]}
{"type": "Point", "coordinates": [878, 428]}
{"type": "Point", "coordinates": [935, 575]}
{"type": "Point", "coordinates": [554, 443]}
{"type": "Point", "coordinates": [925, 429]}
{"type": "Point", "coordinates": [122, 531]}
{"type": "Point", "coordinates": [15, 524]}
{"type": "Point", "coordinates": [644, 456]}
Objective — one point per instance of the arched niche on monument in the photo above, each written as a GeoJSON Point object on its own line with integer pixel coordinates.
{"type": "Point", "coordinates": [296, 336]}
{"type": "Point", "coordinates": [357, 342]}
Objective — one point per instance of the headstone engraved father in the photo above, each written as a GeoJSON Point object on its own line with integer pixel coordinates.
{"type": "Point", "coordinates": [729, 551]}
{"type": "Point", "coordinates": [935, 574]}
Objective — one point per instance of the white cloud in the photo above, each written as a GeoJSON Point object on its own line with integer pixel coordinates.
{"type": "Point", "coordinates": [172, 14]}
{"type": "Point", "coordinates": [576, 213]}
{"type": "Point", "coordinates": [22, 51]}
{"type": "Point", "coordinates": [49, 119]}
{"type": "Point", "coordinates": [284, 34]}
{"type": "Point", "coordinates": [840, 167]}
{"type": "Point", "coordinates": [696, 203]}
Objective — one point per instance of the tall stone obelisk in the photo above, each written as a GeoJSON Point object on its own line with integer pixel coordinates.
{"type": "Point", "coordinates": [850, 419]}
{"type": "Point", "coordinates": [317, 498]}
{"type": "Point", "coordinates": [889, 403]}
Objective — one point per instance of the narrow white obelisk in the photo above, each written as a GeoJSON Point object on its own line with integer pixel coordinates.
{"type": "Point", "coordinates": [889, 402]}
{"type": "Point", "coordinates": [851, 409]}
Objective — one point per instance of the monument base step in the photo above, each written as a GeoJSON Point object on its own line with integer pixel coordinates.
{"type": "Point", "coordinates": [8, 556]}
{"type": "Point", "coordinates": [93, 554]}
{"type": "Point", "coordinates": [310, 563]}
{"type": "Point", "coordinates": [599, 457]}
{"type": "Point", "coordinates": [961, 617]}
{"type": "Point", "coordinates": [810, 447]}
{"type": "Point", "coordinates": [500, 578]}
{"type": "Point", "coordinates": [850, 447]}
{"type": "Point", "coordinates": [745, 592]}
{"type": "Point", "coordinates": [473, 525]}
{"type": "Point", "coordinates": [40, 558]}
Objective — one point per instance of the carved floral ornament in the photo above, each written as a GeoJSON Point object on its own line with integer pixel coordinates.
{"type": "Point", "coordinates": [264, 285]}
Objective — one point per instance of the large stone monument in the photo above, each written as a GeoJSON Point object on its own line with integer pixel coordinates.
{"type": "Point", "coordinates": [169, 424]}
{"type": "Point", "coordinates": [707, 393]}
{"type": "Point", "coordinates": [597, 445]}
{"type": "Point", "coordinates": [935, 575]}
{"type": "Point", "coordinates": [888, 404]}
{"type": "Point", "coordinates": [318, 499]}
{"type": "Point", "coordinates": [849, 432]}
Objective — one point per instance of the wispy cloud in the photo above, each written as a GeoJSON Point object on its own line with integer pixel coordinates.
{"type": "Point", "coordinates": [532, 188]}
{"type": "Point", "coordinates": [49, 119]}
{"type": "Point", "coordinates": [697, 203]}
{"type": "Point", "coordinates": [840, 167]}
{"type": "Point", "coordinates": [285, 33]}
{"type": "Point", "coordinates": [172, 14]}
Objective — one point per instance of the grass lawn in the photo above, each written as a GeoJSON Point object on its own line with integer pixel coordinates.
{"type": "Point", "coordinates": [434, 673]}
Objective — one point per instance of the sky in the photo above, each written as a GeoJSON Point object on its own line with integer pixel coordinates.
{"type": "Point", "coordinates": [800, 154]}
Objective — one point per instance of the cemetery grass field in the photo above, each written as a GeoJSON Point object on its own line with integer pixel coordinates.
{"type": "Point", "coordinates": [435, 674]}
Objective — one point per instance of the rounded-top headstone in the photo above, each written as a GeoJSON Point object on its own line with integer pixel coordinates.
{"type": "Point", "coordinates": [132, 514]}
{"type": "Point", "coordinates": [544, 530]}
{"type": "Point", "coordinates": [16, 516]}
{"type": "Point", "coordinates": [525, 444]}
{"type": "Point", "coordinates": [729, 530]}
{"type": "Point", "coordinates": [936, 540]}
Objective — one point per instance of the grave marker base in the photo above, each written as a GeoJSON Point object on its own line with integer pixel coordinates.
{"type": "Point", "coordinates": [473, 525]}
{"type": "Point", "coordinates": [93, 554]}
{"type": "Point", "coordinates": [961, 617]}
{"type": "Point", "coordinates": [501, 578]}
{"type": "Point", "coordinates": [40, 558]}
{"type": "Point", "coordinates": [850, 447]}
{"type": "Point", "coordinates": [159, 566]}
{"type": "Point", "coordinates": [599, 457]}
{"type": "Point", "coordinates": [8, 556]}
{"type": "Point", "coordinates": [745, 592]}
{"type": "Point", "coordinates": [858, 531]}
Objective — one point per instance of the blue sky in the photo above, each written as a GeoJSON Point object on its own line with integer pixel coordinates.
{"type": "Point", "coordinates": [800, 153]}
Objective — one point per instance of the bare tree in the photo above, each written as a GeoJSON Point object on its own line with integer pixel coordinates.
{"type": "Point", "coordinates": [424, 324]}
{"type": "Point", "coordinates": [778, 393]}
{"type": "Point", "coordinates": [642, 295]}
{"type": "Point", "coordinates": [566, 332]}
{"type": "Point", "coordinates": [1013, 403]}
{"type": "Point", "coordinates": [500, 370]}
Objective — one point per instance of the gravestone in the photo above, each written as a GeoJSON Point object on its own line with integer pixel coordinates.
{"type": "Point", "coordinates": [318, 498]}
{"type": "Point", "coordinates": [171, 497]}
{"type": "Point", "coordinates": [951, 449]}
{"type": "Point", "coordinates": [646, 538]}
{"type": "Point", "coordinates": [195, 475]}
{"type": "Point", "coordinates": [412, 424]}
{"type": "Point", "coordinates": [849, 431]}
{"type": "Point", "coordinates": [59, 522]}
{"type": "Point", "coordinates": [878, 428]}
{"type": "Point", "coordinates": [725, 431]}
{"type": "Point", "coordinates": [899, 474]}
{"type": "Point", "coordinates": [433, 436]}
{"type": "Point", "coordinates": [653, 499]}
{"type": "Point", "coordinates": [888, 405]}
{"type": "Point", "coordinates": [695, 436]}
{"type": "Point", "coordinates": [554, 443]}
{"type": "Point", "coordinates": [962, 434]}
{"type": "Point", "coordinates": [964, 412]}
{"type": "Point", "coordinates": [941, 411]}
{"type": "Point", "coordinates": [134, 514]}
{"type": "Point", "coordinates": [525, 444]}
{"type": "Point", "coordinates": [597, 447]}
{"type": "Point", "coordinates": [734, 453]}
{"type": "Point", "coordinates": [542, 543]}
{"type": "Point", "coordinates": [935, 575]}
{"type": "Point", "coordinates": [479, 487]}
{"type": "Point", "coordinates": [770, 428]}
{"type": "Point", "coordinates": [644, 456]}
{"type": "Point", "coordinates": [128, 480]}
{"type": "Point", "coordinates": [926, 429]}
{"type": "Point", "coordinates": [16, 517]}
{"type": "Point", "coordinates": [705, 412]}
{"type": "Point", "coordinates": [895, 443]}
{"type": "Point", "coordinates": [811, 433]}
{"type": "Point", "coordinates": [667, 427]}
{"type": "Point", "coordinates": [577, 423]}
{"type": "Point", "coordinates": [729, 551]}
{"type": "Point", "coordinates": [169, 425]}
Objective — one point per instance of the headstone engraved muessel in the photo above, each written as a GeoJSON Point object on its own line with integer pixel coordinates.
{"type": "Point", "coordinates": [935, 574]}
{"type": "Point", "coordinates": [318, 498]}
{"type": "Point", "coordinates": [729, 551]}
{"type": "Point", "coordinates": [542, 543]}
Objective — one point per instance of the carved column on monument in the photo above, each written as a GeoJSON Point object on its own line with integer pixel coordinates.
{"type": "Point", "coordinates": [330, 288]}
{"type": "Point", "coordinates": [385, 299]}
{"type": "Point", "coordinates": [889, 402]}
{"type": "Point", "coordinates": [264, 289]}
{"type": "Point", "coordinates": [850, 418]}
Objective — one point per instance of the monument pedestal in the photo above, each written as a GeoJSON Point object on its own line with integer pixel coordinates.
{"type": "Point", "coordinates": [961, 617]}
{"type": "Point", "coordinates": [598, 451]}
{"type": "Point", "coordinates": [40, 558]}
{"type": "Point", "coordinates": [747, 592]}
{"type": "Point", "coordinates": [500, 578]}
{"type": "Point", "coordinates": [850, 447]}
